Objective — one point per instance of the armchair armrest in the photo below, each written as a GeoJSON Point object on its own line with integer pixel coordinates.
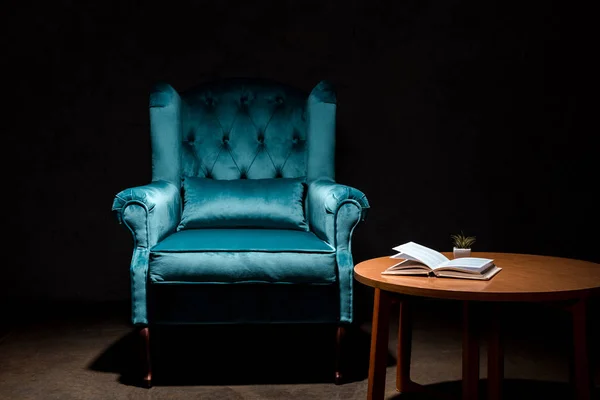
{"type": "Point", "coordinates": [150, 212]}
{"type": "Point", "coordinates": [325, 198]}
{"type": "Point", "coordinates": [333, 211]}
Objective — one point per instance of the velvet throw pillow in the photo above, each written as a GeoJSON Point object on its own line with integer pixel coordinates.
{"type": "Point", "coordinates": [243, 203]}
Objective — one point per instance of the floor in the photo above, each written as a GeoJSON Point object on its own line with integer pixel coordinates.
{"type": "Point", "coordinates": [91, 354]}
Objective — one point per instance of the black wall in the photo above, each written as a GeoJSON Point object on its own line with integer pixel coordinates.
{"type": "Point", "coordinates": [452, 115]}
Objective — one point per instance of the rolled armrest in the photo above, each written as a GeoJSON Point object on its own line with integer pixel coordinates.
{"type": "Point", "coordinates": [325, 198]}
{"type": "Point", "coordinates": [151, 212]}
{"type": "Point", "coordinates": [333, 211]}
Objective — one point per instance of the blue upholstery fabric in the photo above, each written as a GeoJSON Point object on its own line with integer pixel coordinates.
{"type": "Point", "coordinates": [151, 213]}
{"type": "Point", "coordinates": [243, 303]}
{"type": "Point", "coordinates": [243, 203]}
{"type": "Point", "coordinates": [266, 240]}
{"type": "Point", "coordinates": [165, 133]}
{"type": "Point", "coordinates": [243, 256]}
{"type": "Point", "coordinates": [324, 199]}
{"type": "Point", "coordinates": [241, 129]}
{"type": "Point", "coordinates": [333, 212]}
{"type": "Point", "coordinates": [321, 110]}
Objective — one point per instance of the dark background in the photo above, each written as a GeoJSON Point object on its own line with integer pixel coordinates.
{"type": "Point", "coordinates": [452, 115]}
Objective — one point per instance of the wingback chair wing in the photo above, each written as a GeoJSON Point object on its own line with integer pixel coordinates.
{"type": "Point", "coordinates": [242, 207]}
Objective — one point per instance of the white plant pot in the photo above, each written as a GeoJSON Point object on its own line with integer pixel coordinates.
{"type": "Point", "coordinates": [458, 253]}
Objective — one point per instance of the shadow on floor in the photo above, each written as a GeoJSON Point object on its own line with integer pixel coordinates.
{"type": "Point", "coordinates": [513, 389]}
{"type": "Point", "coordinates": [239, 355]}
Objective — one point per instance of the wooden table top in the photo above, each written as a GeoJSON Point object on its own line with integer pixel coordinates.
{"type": "Point", "coordinates": [524, 277]}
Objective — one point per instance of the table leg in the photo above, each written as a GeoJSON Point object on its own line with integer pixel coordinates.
{"type": "Point", "coordinates": [495, 354]}
{"type": "Point", "coordinates": [379, 345]}
{"type": "Point", "coordinates": [403, 382]}
{"type": "Point", "coordinates": [470, 358]}
{"type": "Point", "coordinates": [581, 365]}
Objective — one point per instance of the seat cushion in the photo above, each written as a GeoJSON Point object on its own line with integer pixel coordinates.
{"type": "Point", "coordinates": [276, 203]}
{"type": "Point", "coordinates": [242, 256]}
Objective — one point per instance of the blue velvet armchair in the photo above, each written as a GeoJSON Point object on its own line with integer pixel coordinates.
{"type": "Point", "coordinates": [243, 221]}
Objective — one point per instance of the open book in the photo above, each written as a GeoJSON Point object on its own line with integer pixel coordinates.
{"type": "Point", "coordinates": [421, 260]}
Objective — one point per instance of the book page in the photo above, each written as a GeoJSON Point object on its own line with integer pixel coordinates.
{"type": "Point", "coordinates": [467, 264]}
{"type": "Point", "coordinates": [403, 256]}
{"type": "Point", "coordinates": [427, 256]}
{"type": "Point", "coordinates": [408, 264]}
{"type": "Point", "coordinates": [461, 275]}
{"type": "Point", "coordinates": [409, 272]}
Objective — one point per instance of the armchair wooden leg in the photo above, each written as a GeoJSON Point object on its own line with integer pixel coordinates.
{"type": "Point", "coordinates": [341, 332]}
{"type": "Point", "coordinates": [145, 356]}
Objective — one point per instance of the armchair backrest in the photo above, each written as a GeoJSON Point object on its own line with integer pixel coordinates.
{"type": "Point", "coordinates": [242, 129]}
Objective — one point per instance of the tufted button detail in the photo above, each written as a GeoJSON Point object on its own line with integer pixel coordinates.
{"type": "Point", "coordinates": [190, 136]}
{"type": "Point", "coordinates": [218, 111]}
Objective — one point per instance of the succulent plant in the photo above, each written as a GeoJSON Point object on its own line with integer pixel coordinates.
{"type": "Point", "coordinates": [461, 241]}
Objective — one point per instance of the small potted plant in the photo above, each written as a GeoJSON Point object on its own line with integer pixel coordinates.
{"type": "Point", "coordinates": [462, 245]}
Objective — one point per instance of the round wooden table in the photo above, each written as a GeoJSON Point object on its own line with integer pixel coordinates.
{"type": "Point", "coordinates": [566, 282]}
